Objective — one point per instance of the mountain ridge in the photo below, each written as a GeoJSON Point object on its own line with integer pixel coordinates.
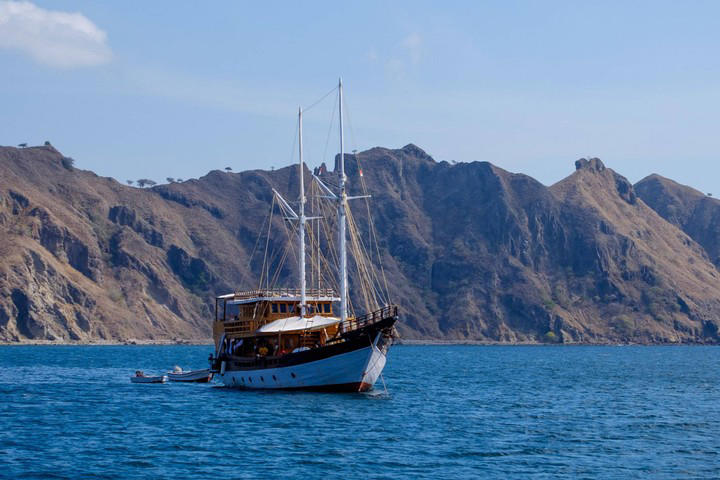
{"type": "Point", "coordinates": [473, 252]}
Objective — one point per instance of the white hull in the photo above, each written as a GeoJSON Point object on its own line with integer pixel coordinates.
{"type": "Point", "coordinates": [353, 371]}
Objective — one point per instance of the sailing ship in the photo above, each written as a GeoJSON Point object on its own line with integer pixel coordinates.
{"type": "Point", "coordinates": [292, 338]}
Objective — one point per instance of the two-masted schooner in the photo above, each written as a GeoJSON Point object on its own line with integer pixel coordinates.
{"type": "Point", "coordinates": [291, 338]}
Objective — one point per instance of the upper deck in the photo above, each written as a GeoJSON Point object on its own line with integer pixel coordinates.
{"type": "Point", "coordinates": [243, 313]}
{"type": "Point", "coordinates": [279, 295]}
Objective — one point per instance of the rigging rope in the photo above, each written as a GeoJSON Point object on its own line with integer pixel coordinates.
{"type": "Point", "coordinates": [267, 244]}
{"type": "Point", "coordinates": [320, 99]}
{"type": "Point", "coordinates": [373, 231]}
{"type": "Point", "coordinates": [257, 241]}
{"type": "Point", "coordinates": [372, 283]}
{"type": "Point", "coordinates": [332, 121]}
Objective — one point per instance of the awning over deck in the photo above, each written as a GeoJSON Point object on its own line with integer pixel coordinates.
{"type": "Point", "coordinates": [283, 298]}
{"type": "Point", "coordinates": [291, 324]}
{"type": "Point", "coordinates": [279, 295]}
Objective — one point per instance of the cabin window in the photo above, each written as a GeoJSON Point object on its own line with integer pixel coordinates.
{"type": "Point", "coordinates": [274, 308]}
{"type": "Point", "coordinates": [220, 310]}
{"type": "Point", "coordinates": [232, 311]}
{"type": "Point", "coordinates": [283, 308]}
{"type": "Point", "coordinates": [327, 307]}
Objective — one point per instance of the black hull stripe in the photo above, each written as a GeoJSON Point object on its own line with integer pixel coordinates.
{"type": "Point", "coordinates": [355, 340]}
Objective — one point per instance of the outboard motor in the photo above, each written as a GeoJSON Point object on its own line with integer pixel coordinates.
{"type": "Point", "coordinates": [214, 363]}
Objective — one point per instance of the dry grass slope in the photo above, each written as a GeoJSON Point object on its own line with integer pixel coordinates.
{"type": "Point", "coordinates": [473, 253]}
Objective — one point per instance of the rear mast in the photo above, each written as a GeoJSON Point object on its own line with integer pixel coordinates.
{"type": "Point", "coordinates": [302, 220]}
{"type": "Point", "coordinates": [342, 206]}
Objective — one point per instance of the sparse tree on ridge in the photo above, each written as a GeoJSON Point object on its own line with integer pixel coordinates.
{"type": "Point", "coordinates": [170, 180]}
{"type": "Point", "coordinates": [178, 180]}
{"type": "Point", "coordinates": [130, 182]}
{"type": "Point", "coordinates": [68, 163]}
{"type": "Point", "coordinates": [22, 145]}
{"type": "Point", "coordinates": [228, 169]}
{"type": "Point", "coordinates": [143, 182]}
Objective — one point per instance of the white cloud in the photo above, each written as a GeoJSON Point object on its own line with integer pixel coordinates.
{"type": "Point", "coordinates": [413, 43]}
{"type": "Point", "coordinates": [407, 52]}
{"type": "Point", "coordinates": [58, 39]}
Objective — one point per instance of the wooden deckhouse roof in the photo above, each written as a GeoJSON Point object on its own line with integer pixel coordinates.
{"type": "Point", "coordinates": [279, 295]}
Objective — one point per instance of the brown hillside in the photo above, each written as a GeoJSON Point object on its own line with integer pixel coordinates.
{"type": "Point", "coordinates": [695, 213]}
{"type": "Point", "coordinates": [472, 252]}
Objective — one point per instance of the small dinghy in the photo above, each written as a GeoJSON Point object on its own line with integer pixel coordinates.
{"type": "Point", "coordinates": [140, 377]}
{"type": "Point", "coordinates": [197, 376]}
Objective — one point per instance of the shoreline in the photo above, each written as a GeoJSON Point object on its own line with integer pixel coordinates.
{"type": "Point", "coordinates": [540, 344]}
{"type": "Point", "coordinates": [110, 343]}
{"type": "Point", "coordinates": [404, 342]}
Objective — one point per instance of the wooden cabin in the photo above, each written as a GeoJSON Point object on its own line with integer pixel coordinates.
{"type": "Point", "coordinates": [267, 323]}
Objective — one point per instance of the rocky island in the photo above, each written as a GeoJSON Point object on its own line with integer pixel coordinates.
{"type": "Point", "coordinates": [476, 253]}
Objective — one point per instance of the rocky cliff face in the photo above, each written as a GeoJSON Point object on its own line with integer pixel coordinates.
{"type": "Point", "coordinates": [472, 252]}
{"type": "Point", "coordinates": [693, 212]}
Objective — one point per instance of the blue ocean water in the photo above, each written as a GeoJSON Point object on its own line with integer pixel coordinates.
{"type": "Point", "coordinates": [450, 412]}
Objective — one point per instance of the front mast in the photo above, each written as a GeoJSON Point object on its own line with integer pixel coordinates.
{"type": "Point", "coordinates": [303, 299]}
{"type": "Point", "coordinates": [342, 205]}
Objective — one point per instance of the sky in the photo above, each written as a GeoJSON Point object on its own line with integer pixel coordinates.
{"type": "Point", "coordinates": [178, 88]}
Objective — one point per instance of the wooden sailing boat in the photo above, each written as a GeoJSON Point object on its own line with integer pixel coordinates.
{"type": "Point", "coordinates": [291, 338]}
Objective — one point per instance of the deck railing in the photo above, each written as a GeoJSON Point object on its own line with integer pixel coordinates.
{"type": "Point", "coordinates": [286, 292]}
{"type": "Point", "coordinates": [369, 318]}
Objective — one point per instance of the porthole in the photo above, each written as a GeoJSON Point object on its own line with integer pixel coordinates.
{"type": "Point", "coordinates": [250, 379]}
{"type": "Point", "coordinates": [243, 379]}
{"type": "Point", "coordinates": [292, 375]}
{"type": "Point", "coordinates": [262, 379]}
{"type": "Point", "coordinates": [274, 378]}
